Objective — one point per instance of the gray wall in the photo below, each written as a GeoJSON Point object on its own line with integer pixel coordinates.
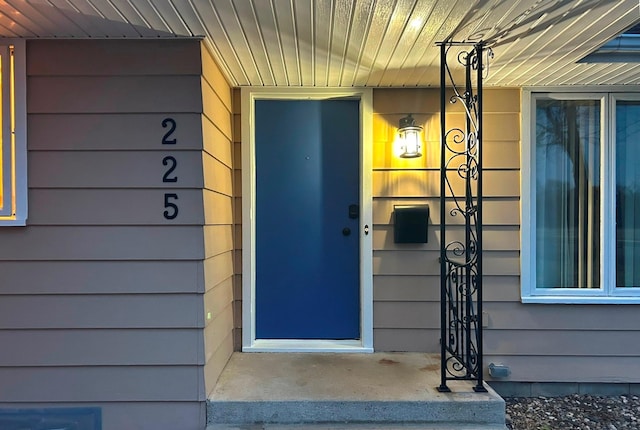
{"type": "Point", "coordinates": [101, 296]}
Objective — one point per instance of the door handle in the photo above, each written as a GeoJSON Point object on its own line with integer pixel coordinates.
{"type": "Point", "coordinates": [346, 231]}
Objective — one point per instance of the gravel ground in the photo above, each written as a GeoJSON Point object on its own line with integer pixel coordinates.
{"type": "Point", "coordinates": [579, 412]}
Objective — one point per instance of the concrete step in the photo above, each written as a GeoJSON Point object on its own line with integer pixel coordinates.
{"type": "Point", "coordinates": [454, 408]}
{"type": "Point", "coordinates": [292, 412]}
{"type": "Point", "coordinates": [382, 390]}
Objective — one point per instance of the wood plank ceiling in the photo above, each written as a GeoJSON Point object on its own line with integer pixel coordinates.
{"type": "Point", "coordinates": [377, 43]}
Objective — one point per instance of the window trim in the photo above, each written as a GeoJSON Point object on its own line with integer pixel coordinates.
{"type": "Point", "coordinates": [608, 293]}
{"type": "Point", "coordinates": [18, 216]}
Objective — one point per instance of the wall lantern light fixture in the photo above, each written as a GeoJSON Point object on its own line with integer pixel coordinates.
{"type": "Point", "coordinates": [410, 145]}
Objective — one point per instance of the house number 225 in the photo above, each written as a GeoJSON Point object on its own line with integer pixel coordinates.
{"type": "Point", "coordinates": [170, 163]}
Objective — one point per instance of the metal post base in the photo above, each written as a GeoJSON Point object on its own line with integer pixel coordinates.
{"type": "Point", "coordinates": [479, 389]}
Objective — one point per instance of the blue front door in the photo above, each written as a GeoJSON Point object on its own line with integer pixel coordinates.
{"type": "Point", "coordinates": [306, 217]}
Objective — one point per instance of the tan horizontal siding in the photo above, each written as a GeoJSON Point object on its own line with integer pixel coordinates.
{"type": "Point", "coordinates": [125, 415]}
{"type": "Point", "coordinates": [496, 154]}
{"type": "Point", "coordinates": [495, 211]}
{"type": "Point", "coordinates": [101, 311]}
{"type": "Point", "coordinates": [217, 176]}
{"type": "Point", "coordinates": [103, 243]}
{"type": "Point", "coordinates": [113, 132]}
{"type": "Point", "coordinates": [407, 339]}
{"type": "Point", "coordinates": [216, 143]}
{"type": "Point", "coordinates": [216, 363]}
{"type": "Point", "coordinates": [215, 109]}
{"type": "Point", "coordinates": [212, 74]}
{"type": "Point", "coordinates": [570, 343]}
{"type": "Point", "coordinates": [223, 212]}
{"type": "Point", "coordinates": [217, 239]}
{"type": "Point", "coordinates": [100, 277]}
{"type": "Point", "coordinates": [218, 268]}
{"type": "Point", "coordinates": [82, 94]}
{"type": "Point", "coordinates": [80, 384]}
{"type": "Point", "coordinates": [426, 263]}
{"type": "Point", "coordinates": [532, 368]}
{"type": "Point", "coordinates": [113, 169]}
{"type": "Point", "coordinates": [402, 100]}
{"type": "Point", "coordinates": [105, 58]}
{"type": "Point", "coordinates": [406, 315]}
{"type": "Point", "coordinates": [500, 126]}
{"type": "Point", "coordinates": [494, 238]}
{"type": "Point", "coordinates": [101, 294]}
{"type": "Point", "coordinates": [412, 288]}
{"type": "Point", "coordinates": [407, 276]}
{"type": "Point", "coordinates": [219, 191]}
{"type": "Point", "coordinates": [501, 100]}
{"type": "Point", "coordinates": [549, 318]}
{"type": "Point", "coordinates": [416, 183]}
{"type": "Point", "coordinates": [501, 154]}
{"type": "Point", "coordinates": [217, 331]}
{"type": "Point", "coordinates": [100, 347]}
{"type": "Point", "coordinates": [217, 299]}
{"type": "Point", "coordinates": [108, 206]}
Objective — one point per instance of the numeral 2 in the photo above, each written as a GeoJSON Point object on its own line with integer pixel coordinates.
{"type": "Point", "coordinates": [172, 163]}
{"type": "Point", "coordinates": [172, 208]}
{"type": "Point", "coordinates": [171, 123]}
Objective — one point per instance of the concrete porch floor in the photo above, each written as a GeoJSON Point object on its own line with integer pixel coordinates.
{"type": "Point", "coordinates": [282, 389]}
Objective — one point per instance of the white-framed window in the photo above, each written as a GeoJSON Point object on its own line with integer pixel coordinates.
{"type": "Point", "coordinates": [581, 196]}
{"type": "Point", "coordinates": [13, 153]}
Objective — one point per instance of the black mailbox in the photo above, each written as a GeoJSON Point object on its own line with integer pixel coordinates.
{"type": "Point", "coordinates": [411, 223]}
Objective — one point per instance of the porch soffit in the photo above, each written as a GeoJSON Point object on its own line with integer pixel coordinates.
{"type": "Point", "coordinates": [344, 43]}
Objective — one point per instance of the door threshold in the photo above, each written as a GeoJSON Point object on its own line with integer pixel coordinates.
{"type": "Point", "coordinates": [307, 345]}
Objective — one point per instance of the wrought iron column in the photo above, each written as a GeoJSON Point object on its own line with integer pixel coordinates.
{"type": "Point", "coordinates": [461, 190]}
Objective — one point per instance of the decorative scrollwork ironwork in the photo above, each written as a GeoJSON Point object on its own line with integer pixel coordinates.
{"type": "Point", "coordinates": [461, 186]}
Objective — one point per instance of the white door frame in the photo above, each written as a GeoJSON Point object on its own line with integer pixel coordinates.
{"type": "Point", "coordinates": [249, 342]}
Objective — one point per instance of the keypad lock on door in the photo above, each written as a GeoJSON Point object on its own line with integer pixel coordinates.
{"type": "Point", "coordinates": [354, 213]}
